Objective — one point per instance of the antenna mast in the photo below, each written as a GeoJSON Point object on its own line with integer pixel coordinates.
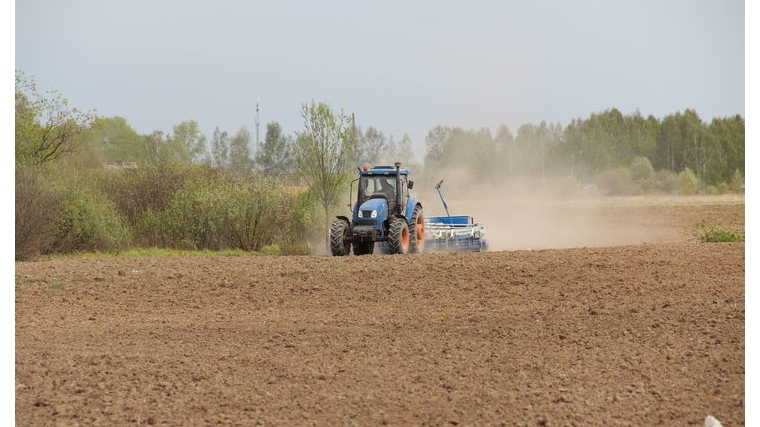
{"type": "Point", "coordinates": [258, 98]}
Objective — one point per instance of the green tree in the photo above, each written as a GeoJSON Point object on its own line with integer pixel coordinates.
{"type": "Point", "coordinates": [220, 148]}
{"type": "Point", "coordinates": [696, 143]}
{"type": "Point", "coordinates": [480, 154]}
{"type": "Point", "coordinates": [46, 127]}
{"type": "Point", "coordinates": [436, 142]}
{"type": "Point", "coordinates": [240, 151]}
{"type": "Point", "coordinates": [532, 144]}
{"type": "Point", "coordinates": [115, 140]}
{"type": "Point", "coordinates": [186, 145]}
{"type": "Point", "coordinates": [641, 169]}
{"type": "Point", "coordinates": [155, 148]}
{"type": "Point", "coordinates": [728, 138]}
{"type": "Point", "coordinates": [323, 150]}
{"type": "Point", "coordinates": [640, 135]}
{"type": "Point", "coordinates": [504, 144]}
{"type": "Point", "coordinates": [275, 154]}
{"type": "Point", "coordinates": [371, 147]}
{"type": "Point", "coordinates": [737, 182]}
{"type": "Point", "coordinates": [604, 141]}
{"type": "Point", "coordinates": [682, 143]}
{"type": "Point", "coordinates": [404, 151]}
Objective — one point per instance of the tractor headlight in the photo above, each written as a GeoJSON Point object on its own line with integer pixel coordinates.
{"type": "Point", "coordinates": [373, 214]}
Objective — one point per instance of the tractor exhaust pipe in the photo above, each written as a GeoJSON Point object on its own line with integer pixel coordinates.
{"type": "Point", "coordinates": [398, 188]}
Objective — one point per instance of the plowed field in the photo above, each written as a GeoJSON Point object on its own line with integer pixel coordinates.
{"type": "Point", "coordinates": [645, 330]}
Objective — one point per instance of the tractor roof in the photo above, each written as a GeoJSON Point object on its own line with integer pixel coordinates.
{"type": "Point", "coordinates": [382, 170]}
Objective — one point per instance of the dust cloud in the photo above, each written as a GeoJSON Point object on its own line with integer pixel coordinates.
{"type": "Point", "coordinates": [520, 219]}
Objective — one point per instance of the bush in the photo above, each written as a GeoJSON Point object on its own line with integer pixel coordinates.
{"type": "Point", "coordinates": [688, 183]}
{"type": "Point", "coordinates": [722, 188]}
{"type": "Point", "coordinates": [225, 212]}
{"type": "Point", "coordinates": [617, 182]}
{"type": "Point", "coordinates": [88, 222]}
{"type": "Point", "coordinates": [667, 181]}
{"type": "Point", "coordinates": [737, 182]}
{"type": "Point", "coordinates": [711, 190]}
{"type": "Point", "coordinates": [641, 169]}
{"type": "Point", "coordinates": [302, 225]}
{"type": "Point", "coordinates": [138, 191]}
{"type": "Point", "coordinates": [712, 233]}
{"type": "Point", "coordinates": [36, 205]}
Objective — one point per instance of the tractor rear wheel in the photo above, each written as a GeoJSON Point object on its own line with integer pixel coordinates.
{"type": "Point", "coordinates": [417, 230]}
{"type": "Point", "coordinates": [339, 244]}
{"type": "Point", "coordinates": [398, 236]}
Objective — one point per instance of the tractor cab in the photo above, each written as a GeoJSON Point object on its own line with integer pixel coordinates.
{"type": "Point", "coordinates": [384, 182]}
{"type": "Point", "coordinates": [384, 212]}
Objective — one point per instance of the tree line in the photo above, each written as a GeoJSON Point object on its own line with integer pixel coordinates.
{"type": "Point", "coordinates": [590, 150]}
{"type": "Point", "coordinates": [584, 149]}
{"type": "Point", "coordinates": [191, 192]}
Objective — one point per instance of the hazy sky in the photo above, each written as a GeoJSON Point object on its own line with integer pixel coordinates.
{"type": "Point", "coordinates": [400, 66]}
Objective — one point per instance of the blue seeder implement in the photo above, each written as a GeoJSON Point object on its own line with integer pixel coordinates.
{"type": "Point", "coordinates": [453, 232]}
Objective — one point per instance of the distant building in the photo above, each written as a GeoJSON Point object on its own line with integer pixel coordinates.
{"type": "Point", "coordinates": [120, 165]}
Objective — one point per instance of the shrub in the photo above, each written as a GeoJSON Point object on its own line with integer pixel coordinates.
{"type": "Point", "coordinates": [722, 188]}
{"type": "Point", "coordinates": [710, 232]}
{"type": "Point", "coordinates": [137, 191]}
{"type": "Point", "coordinates": [737, 182]}
{"type": "Point", "coordinates": [711, 190]}
{"type": "Point", "coordinates": [667, 181]}
{"type": "Point", "coordinates": [302, 225]}
{"type": "Point", "coordinates": [687, 182]}
{"type": "Point", "coordinates": [88, 222]}
{"type": "Point", "coordinates": [617, 182]}
{"type": "Point", "coordinates": [36, 204]}
{"type": "Point", "coordinates": [641, 169]}
{"type": "Point", "coordinates": [219, 213]}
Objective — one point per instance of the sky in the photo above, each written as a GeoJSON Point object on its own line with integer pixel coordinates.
{"type": "Point", "coordinates": [402, 67]}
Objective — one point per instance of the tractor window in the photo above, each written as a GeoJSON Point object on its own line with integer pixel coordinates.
{"type": "Point", "coordinates": [377, 185]}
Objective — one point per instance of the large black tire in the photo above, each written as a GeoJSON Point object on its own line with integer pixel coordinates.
{"type": "Point", "coordinates": [339, 232]}
{"type": "Point", "coordinates": [364, 248]}
{"type": "Point", "coordinates": [417, 232]}
{"type": "Point", "coordinates": [398, 236]}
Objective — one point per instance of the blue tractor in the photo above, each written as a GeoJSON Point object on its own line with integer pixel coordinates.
{"type": "Point", "coordinates": [384, 212]}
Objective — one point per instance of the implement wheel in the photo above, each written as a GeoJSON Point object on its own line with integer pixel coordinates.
{"type": "Point", "coordinates": [398, 236]}
{"type": "Point", "coordinates": [417, 229]}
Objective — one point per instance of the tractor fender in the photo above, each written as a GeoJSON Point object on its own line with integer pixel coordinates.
{"type": "Point", "coordinates": [387, 222]}
{"type": "Point", "coordinates": [344, 218]}
{"type": "Point", "coordinates": [411, 205]}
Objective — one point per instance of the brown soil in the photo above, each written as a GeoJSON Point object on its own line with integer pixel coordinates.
{"type": "Point", "coordinates": [630, 334]}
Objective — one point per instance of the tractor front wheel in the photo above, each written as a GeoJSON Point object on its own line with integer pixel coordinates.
{"type": "Point", "coordinates": [339, 244]}
{"type": "Point", "coordinates": [398, 236]}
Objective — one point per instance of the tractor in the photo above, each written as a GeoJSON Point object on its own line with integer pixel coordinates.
{"type": "Point", "coordinates": [384, 212]}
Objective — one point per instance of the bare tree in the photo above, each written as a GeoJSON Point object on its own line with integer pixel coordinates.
{"type": "Point", "coordinates": [322, 151]}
